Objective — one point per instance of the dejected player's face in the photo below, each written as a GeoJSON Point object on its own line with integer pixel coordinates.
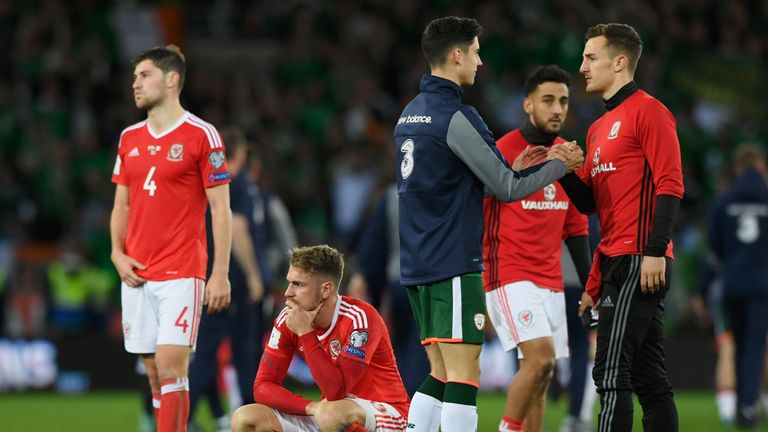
{"type": "Point", "coordinates": [547, 106]}
{"type": "Point", "coordinates": [149, 85]}
{"type": "Point", "coordinates": [304, 288]}
{"type": "Point", "coordinates": [597, 65]}
{"type": "Point", "coordinates": [470, 62]}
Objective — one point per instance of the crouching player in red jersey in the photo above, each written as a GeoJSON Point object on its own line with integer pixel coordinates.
{"type": "Point", "coordinates": [347, 347]}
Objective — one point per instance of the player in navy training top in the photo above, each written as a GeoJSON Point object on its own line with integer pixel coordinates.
{"type": "Point", "coordinates": [737, 232]}
{"type": "Point", "coordinates": [447, 162]}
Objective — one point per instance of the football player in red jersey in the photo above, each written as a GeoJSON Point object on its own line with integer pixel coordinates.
{"type": "Point", "coordinates": [634, 182]}
{"type": "Point", "coordinates": [347, 347]}
{"type": "Point", "coordinates": [522, 247]}
{"type": "Point", "coordinates": [169, 167]}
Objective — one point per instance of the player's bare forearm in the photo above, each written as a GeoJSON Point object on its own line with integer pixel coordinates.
{"type": "Point", "coordinates": [217, 293]}
{"type": "Point", "coordinates": [245, 255]}
{"type": "Point", "coordinates": [118, 226]}
{"type": "Point", "coordinates": [118, 221]}
{"type": "Point", "coordinates": [221, 222]}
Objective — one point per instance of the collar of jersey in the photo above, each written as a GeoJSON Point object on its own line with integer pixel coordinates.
{"type": "Point", "coordinates": [333, 321]}
{"type": "Point", "coordinates": [181, 120]}
{"type": "Point", "coordinates": [536, 136]}
{"type": "Point", "coordinates": [433, 84]}
{"type": "Point", "coordinates": [621, 95]}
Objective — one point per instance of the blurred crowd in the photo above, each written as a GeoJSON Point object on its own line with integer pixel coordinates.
{"type": "Point", "coordinates": [318, 86]}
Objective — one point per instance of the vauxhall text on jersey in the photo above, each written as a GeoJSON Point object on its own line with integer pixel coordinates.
{"type": "Point", "coordinates": [447, 161]}
{"type": "Point", "coordinates": [529, 231]}
{"type": "Point", "coordinates": [166, 175]}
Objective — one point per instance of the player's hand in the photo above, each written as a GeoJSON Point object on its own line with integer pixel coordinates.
{"type": "Point", "coordinates": [652, 271]}
{"type": "Point", "coordinates": [217, 293]}
{"type": "Point", "coordinates": [529, 157]}
{"type": "Point", "coordinates": [298, 319]}
{"type": "Point", "coordinates": [255, 288]}
{"type": "Point", "coordinates": [559, 152]}
{"type": "Point", "coordinates": [585, 304]}
{"type": "Point", "coordinates": [124, 266]}
{"type": "Point", "coordinates": [568, 152]}
{"type": "Point", "coordinates": [576, 159]}
{"type": "Point", "coordinates": [699, 310]}
{"type": "Point", "coordinates": [312, 408]}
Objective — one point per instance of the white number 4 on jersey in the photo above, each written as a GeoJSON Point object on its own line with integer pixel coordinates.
{"type": "Point", "coordinates": [149, 184]}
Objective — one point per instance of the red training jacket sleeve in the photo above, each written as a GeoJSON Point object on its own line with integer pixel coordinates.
{"type": "Point", "coordinates": [335, 381]}
{"type": "Point", "coordinates": [656, 129]}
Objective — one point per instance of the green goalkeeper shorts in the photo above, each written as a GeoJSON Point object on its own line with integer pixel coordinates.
{"type": "Point", "coordinates": [451, 310]}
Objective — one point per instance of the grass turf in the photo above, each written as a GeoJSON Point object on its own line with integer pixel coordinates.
{"type": "Point", "coordinates": [119, 412]}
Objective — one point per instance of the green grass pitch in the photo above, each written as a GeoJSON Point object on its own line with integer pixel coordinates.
{"type": "Point", "coordinates": [119, 412]}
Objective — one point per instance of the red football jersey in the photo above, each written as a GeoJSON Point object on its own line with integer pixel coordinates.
{"type": "Point", "coordinates": [166, 175]}
{"type": "Point", "coordinates": [633, 155]}
{"type": "Point", "coordinates": [523, 239]}
{"type": "Point", "coordinates": [357, 333]}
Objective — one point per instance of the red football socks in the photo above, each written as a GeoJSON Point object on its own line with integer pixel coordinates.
{"type": "Point", "coordinates": [174, 405]}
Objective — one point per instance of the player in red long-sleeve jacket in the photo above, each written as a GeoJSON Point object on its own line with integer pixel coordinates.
{"type": "Point", "coordinates": [635, 184]}
{"type": "Point", "coordinates": [347, 347]}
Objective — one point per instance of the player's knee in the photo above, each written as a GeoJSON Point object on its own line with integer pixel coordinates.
{"type": "Point", "coordinates": [252, 418]}
{"type": "Point", "coordinates": [329, 417]}
{"type": "Point", "coordinates": [657, 391]}
{"type": "Point", "coordinates": [171, 363]}
{"type": "Point", "coordinates": [438, 372]}
{"type": "Point", "coordinates": [464, 371]}
{"type": "Point", "coordinates": [241, 421]}
{"type": "Point", "coordinates": [436, 364]}
{"type": "Point", "coordinates": [543, 366]}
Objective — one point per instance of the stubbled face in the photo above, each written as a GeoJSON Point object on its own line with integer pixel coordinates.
{"type": "Point", "coordinates": [149, 85]}
{"type": "Point", "coordinates": [597, 65]}
{"type": "Point", "coordinates": [304, 289]}
{"type": "Point", "coordinates": [470, 62]}
{"type": "Point", "coordinates": [547, 106]}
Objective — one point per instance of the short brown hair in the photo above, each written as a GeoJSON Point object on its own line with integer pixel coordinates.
{"type": "Point", "coordinates": [621, 38]}
{"type": "Point", "coordinates": [166, 58]}
{"type": "Point", "coordinates": [319, 260]}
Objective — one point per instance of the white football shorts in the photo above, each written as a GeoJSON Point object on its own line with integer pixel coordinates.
{"type": "Point", "coordinates": [161, 313]}
{"type": "Point", "coordinates": [522, 311]}
{"type": "Point", "coordinates": [379, 417]}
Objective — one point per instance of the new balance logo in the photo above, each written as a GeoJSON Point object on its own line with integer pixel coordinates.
{"type": "Point", "coordinates": [134, 152]}
{"type": "Point", "coordinates": [607, 302]}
